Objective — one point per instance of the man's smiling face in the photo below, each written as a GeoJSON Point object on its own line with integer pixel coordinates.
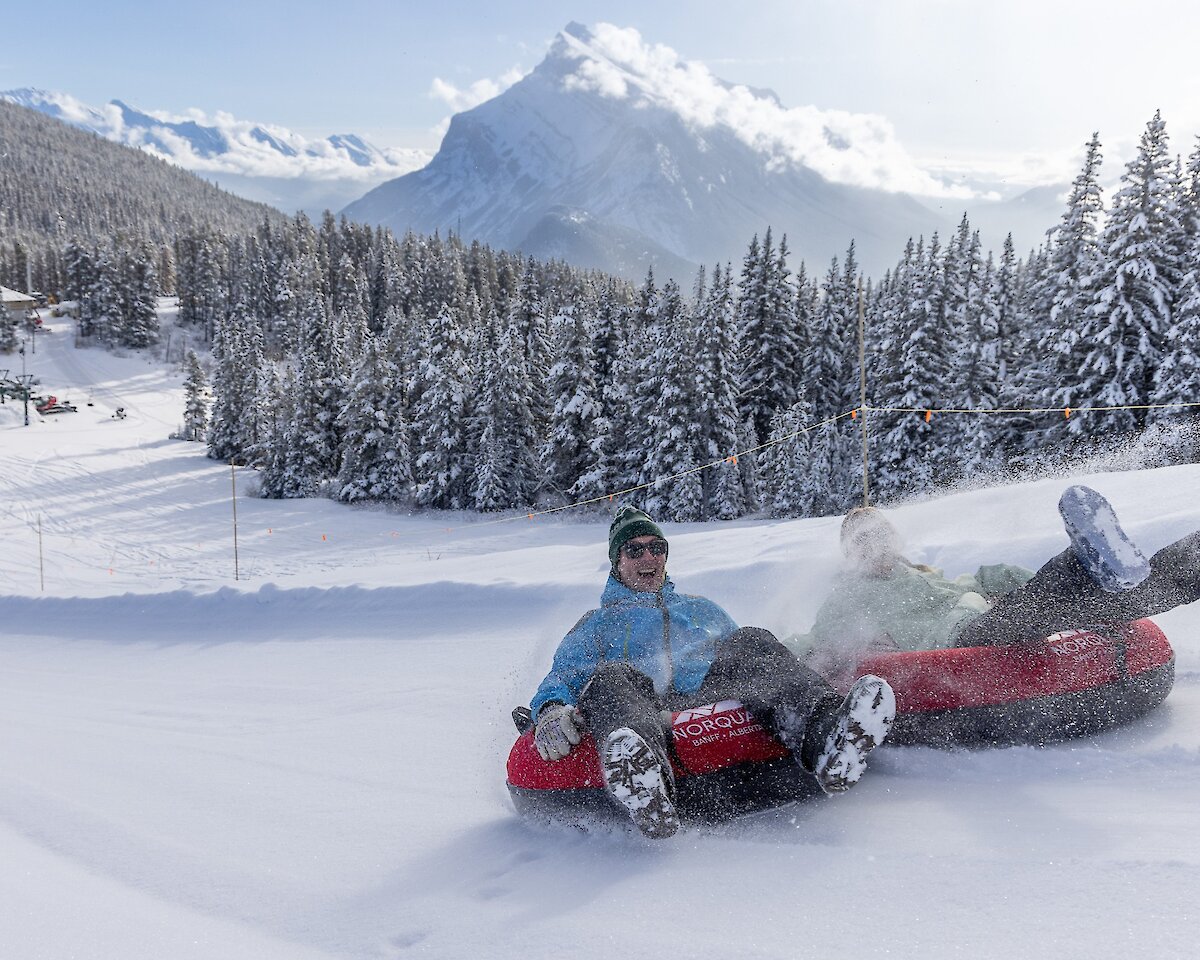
{"type": "Point", "coordinates": [645, 571]}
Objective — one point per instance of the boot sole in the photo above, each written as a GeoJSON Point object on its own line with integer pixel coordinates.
{"type": "Point", "coordinates": [866, 717]}
{"type": "Point", "coordinates": [637, 780]}
{"type": "Point", "coordinates": [1102, 547]}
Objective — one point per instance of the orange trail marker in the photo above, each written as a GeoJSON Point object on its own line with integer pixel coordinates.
{"type": "Point", "coordinates": [1067, 413]}
{"type": "Point", "coordinates": [928, 415]}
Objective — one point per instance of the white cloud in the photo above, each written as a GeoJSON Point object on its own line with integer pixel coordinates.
{"type": "Point", "coordinates": [248, 154]}
{"type": "Point", "coordinates": [464, 98]}
{"type": "Point", "coordinates": [857, 149]}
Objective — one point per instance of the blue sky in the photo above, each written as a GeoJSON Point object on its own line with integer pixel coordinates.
{"type": "Point", "coordinates": [1013, 85]}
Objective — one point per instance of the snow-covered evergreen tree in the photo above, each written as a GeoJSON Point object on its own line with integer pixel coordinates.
{"type": "Point", "coordinates": [1073, 263]}
{"type": "Point", "coordinates": [1133, 292]}
{"type": "Point", "coordinates": [195, 394]}
{"type": "Point", "coordinates": [908, 451]}
{"type": "Point", "coordinates": [139, 299]}
{"type": "Point", "coordinates": [1177, 378]}
{"type": "Point", "coordinates": [507, 469]}
{"type": "Point", "coordinates": [439, 414]}
{"type": "Point", "coordinates": [831, 354]}
{"type": "Point", "coordinates": [376, 464]}
{"type": "Point", "coordinates": [567, 454]}
{"type": "Point", "coordinates": [314, 447]}
{"type": "Point", "coordinates": [766, 333]}
{"type": "Point", "coordinates": [975, 374]}
{"type": "Point", "coordinates": [716, 388]}
{"type": "Point", "coordinates": [673, 436]}
{"type": "Point", "coordinates": [787, 462]}
{"type": "Point", "coordinates": [236, 361]}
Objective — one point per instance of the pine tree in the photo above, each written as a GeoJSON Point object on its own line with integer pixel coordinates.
{"type": "Point", "coordinates": [139, 300]}
{"type": "Point", "coordinates": [1134, 289]}
{"type": "Point", "coordinates": [375, 456]}
{"type": "Point", "coordinates": [716, 413]}
{"type": "Point", "coordinates": [314, 445]}
{"type": "Point", "coordinates": [439, 414]}
{"type": "Point", "coordinates": [908, 451]}
{"type": "Point", "coordinates": [236, 361]}
{"type": "Point", "coordinates": [975, 372]}
{"type": "Point", "coordinates": [1073, 263]}
{"type": "Point", "coordinates": [672, 439]}
{"type": "Point", "coordinates": [1177, 378]}
{"type": "Point", "coordinates": [832, 350]}
{"type": "Point", "coordinates": [787, 462]}
{"type": "Point", "coordinates": [766, 333]}
{"type": "Point", "coordinates": [507, 468]}
{"type": "Point", "coordinates": [567, 454]}
{"type": "Point", "coordinates": [195, 392]}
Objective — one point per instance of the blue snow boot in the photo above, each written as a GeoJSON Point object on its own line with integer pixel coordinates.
{"type": "Point", "coordinates": [1101, 546]}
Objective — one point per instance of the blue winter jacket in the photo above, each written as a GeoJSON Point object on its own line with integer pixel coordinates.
{"type": "Point", "coordinates": [671, 637]}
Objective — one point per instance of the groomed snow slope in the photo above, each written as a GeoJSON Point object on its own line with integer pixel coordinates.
{"type": "Point", "coordinates": [308, 762]}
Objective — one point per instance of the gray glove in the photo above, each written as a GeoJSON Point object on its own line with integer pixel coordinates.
{"type": "Point", "coordinates": [559, 728]}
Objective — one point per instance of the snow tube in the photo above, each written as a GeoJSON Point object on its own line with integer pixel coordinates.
{"type": "Point", "coordinates": [726, 763]}
{"type": "Point", "coordinates": [1071, 684]}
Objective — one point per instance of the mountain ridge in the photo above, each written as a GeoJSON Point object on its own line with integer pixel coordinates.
{"type": "Point", "coordinates": [560, 143]}
{"type": "Point", "coordinates": [264, 162]}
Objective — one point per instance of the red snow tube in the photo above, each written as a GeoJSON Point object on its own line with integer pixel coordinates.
{"type": "Point", "coordinates": [725, 763]}
{"type": "Point", "coordinates": [1070, 684]}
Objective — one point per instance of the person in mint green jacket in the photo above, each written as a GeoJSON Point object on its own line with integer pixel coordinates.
{"type": "Point", "coordinates": [889, 603]}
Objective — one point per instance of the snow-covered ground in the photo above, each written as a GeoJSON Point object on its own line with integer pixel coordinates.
{"type": "Point", "coordinates": [308, 761]}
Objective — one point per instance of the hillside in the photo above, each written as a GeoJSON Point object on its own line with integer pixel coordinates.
{"type": "Point", "coordinates": [262, 162]}
{"type": "Point", "coordinates": [57, 181]}
{"type": "Point", "coordinates": [307, 763]}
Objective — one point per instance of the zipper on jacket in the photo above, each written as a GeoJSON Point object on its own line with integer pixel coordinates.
{"type": "Point", "coordinates": [666, 617]}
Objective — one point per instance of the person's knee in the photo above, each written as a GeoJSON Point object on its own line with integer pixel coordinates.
{"type": "Point", "coordinates": [613, 676]}
{"type": "Point", "coordinates": [747, 642]}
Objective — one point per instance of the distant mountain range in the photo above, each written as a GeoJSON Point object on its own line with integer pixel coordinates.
{"type": "Point", "coordinates": [58, 182]}
{"type": "Point", "coordinates": [618, 155]}
{"type": "Point", "coordinates": [258, 161]}
{"type": "Point", "coordinates": [611, 153]}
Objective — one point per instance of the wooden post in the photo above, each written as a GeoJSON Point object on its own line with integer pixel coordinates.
{"type": "Point", "coordinates": [862, 390]}
{"type": "Point", "coordinates": [233, 488]}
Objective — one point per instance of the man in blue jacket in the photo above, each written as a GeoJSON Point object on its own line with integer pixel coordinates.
{"type": "Point", "coordinates": [648, 649]}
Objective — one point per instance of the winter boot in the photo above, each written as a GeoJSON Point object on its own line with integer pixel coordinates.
{"type": "Point", "coordinates": [1101, 546]}
{"type": "Point", "coordinates": [859, 726]}
{"type": "Point", "coordinates": [641, 782]}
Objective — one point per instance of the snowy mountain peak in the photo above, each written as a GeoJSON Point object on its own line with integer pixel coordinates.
{"type": "Point", "coordinates": [853, 149]}
{"type": "Point", "coordinates": [619, 154]}
{"type": "Point", "coordinates": [262, 161]}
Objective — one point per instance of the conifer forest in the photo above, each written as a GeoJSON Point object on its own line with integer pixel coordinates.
{"type": "Point", "coordinates": [429, 371]}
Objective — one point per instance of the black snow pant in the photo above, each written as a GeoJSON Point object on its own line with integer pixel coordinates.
{"type": "Point", "coordinates": [796, 704]}
{"type": "Point", "coordinates": [1061, 596]}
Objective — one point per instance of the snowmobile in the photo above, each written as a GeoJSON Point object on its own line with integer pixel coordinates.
{"type": "Point", "coordinates": [726, 764]}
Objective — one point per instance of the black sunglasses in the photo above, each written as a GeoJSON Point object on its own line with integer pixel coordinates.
{"type": "Point", "coordinates": [657, 548]}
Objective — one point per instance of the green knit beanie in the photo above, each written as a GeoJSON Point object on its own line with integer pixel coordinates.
{"type": "Point", "coordinates": [629, 522]}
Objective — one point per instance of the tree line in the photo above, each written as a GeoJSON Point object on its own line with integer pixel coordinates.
{"type": "Point", "coordinates": [429, 371]}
